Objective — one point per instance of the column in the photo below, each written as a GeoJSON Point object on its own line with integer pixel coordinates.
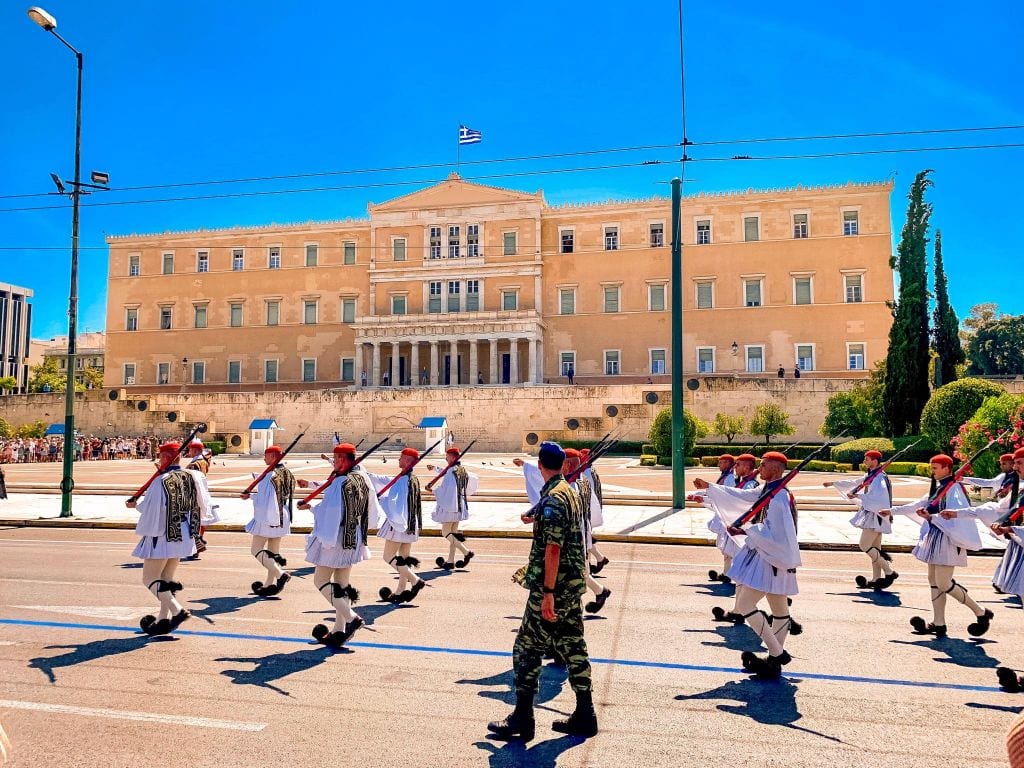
{"type": "Point", "coordinates": [533, 361]}
{"type": "Point", "coordinates": [540, 360]}
{"type": "Point", "coordinates": [435, 371]}
{"type": "Point", "coordinates": [494, 362]}
{"type": "Point", "coordinates": [392, 367]}
{"type": "Point", "coordinates": [473, 363]}
{"type": "Point", "coordinates": [375, 371]}
{"type": "Point", "coordinates": [414, 363]}
{"type": "Point", "coordinates": [357, 372]}
{"type": "Point", "coordinates": [513, 368]}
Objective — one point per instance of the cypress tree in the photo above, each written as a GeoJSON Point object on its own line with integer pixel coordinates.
{"type": "Point", "coordinates": [945, 325]}
{"type": "Point", "coordinates": [906, 370]}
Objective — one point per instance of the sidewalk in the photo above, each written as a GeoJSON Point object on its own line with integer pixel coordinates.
{"type": "Point", "coordinates": [819, 529]}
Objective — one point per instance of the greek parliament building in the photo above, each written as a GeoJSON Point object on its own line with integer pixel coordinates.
{"type": "Point", "coordinates": [15, 333]}
{"type": "Point", "coordinates": [461, 283]}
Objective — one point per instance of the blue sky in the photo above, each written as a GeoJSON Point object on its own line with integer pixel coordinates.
{"type": "Point", "coordinates": [192, 90]}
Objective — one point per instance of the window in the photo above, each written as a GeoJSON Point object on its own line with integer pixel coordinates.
{"type": "Point", "coordinates": [755, 359]}
{"type": "Point", "coordinates": [434, 297]}
{"type": "Point", "coordinates": [854, 288]}
{"type": "Point", "coordinates": [274, 258]}
{"type": "Point", "coordinates": [510, 243]}
{"type": "Point", "coordinates": [611, 362]}
{"type": "Point", "coordinates": [435, 242]}
{"type": "Point", "coordinates": [133, 265]}
{"type": "Point", "coordinates": [703, 231]}
{"type": "Point", "coordinates": [129, 374]}
{"type": "Point", "coordinates": [168, 263]}
{"type": "Point", "coordinates": [131, 319]}
{"type": "Point", "coordinates": [472, 295]}
{"type": "Point", "coordinates": [705, 294]}
{"type": "Point", "coordinates": [309, 311]}
{"type": "Point", "coordinates": [567, 301]}
{"type": "Point", "coordinates": [855, 357]}
{"type": "Point", "coordinates": [473, 240]}
{"type": "Point", "coordinates": [611, 238]}
{"type": "Point", "coordinates": [752, 293]}
{"type": "Point", "coordinates": [203, 261]}
{"type": "Point", "coordinates": [751, 228]}
{"type": "Point", "coordinates": [802, 290]}
{"type": "Point", "coordinates": [567, 361]}
{"type": "Point", "coordinates": [270, 371]}
{"type": "Point", "coordinates": [510, 300]}
{"type": "Point", "coordinates": [273, 312]}
{"type": "Point", "coordinates": [348, 369]}
{"type": "Point", "coordinates": [851, 222]}
{"type": "Point", "coordinates": [799, 226]}
{"type": "Point", "coordinates": [657, 361]}
{"type": "Point", "coordinates": [198, 372]}
{"type": "Point", "coordinates": [312, 255]}
{"type": "Point", "coordinates": [454, 296]}
{"type": "Point", "coordinates": [348, 310]}
{"type": "Point", "coordinates": [349, 252]}
{"type": "Point", "coordinates": [805, 357]}
{"type": "Point", "coordinates": [656, 297]}
{"type": "Point", "coordinates": [234, 372]}
{"type": "Point", "coordinates": [309, 369]}
{"type": "Point", "coordinates": [454, 242]}
{"type": "Point", "coordinates": [398, 305]}
{"type": "Point", "coordinates": [705, 359]}
{"type": "Point", "coordinates": [657, 237]}
{"type": "Point", "coordinates": [163, 373]}
{"type": "Point", "coordinates": [238, 259]}
{"type": "Point", "coordinates": [567, 242]}
{"type": "Point", "coordinates": [611, 298]}
{"type": "Point", "coordinates": [200, 316]}
{"type": "Point", "coordinates": [398, 249]}
{"type": "Point", "coordinates": [236, 315]}
{"type": "Point", "coordinates": [165, 318]}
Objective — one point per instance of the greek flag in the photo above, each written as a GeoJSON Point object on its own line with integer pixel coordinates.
{"type": "Point", "coordinates": [469, 136]}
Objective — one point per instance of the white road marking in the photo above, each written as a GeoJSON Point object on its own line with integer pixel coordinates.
{"type": "Point", "coordinates": [146, 717]}
{"type": "Point", "coordinates": [117, 612]}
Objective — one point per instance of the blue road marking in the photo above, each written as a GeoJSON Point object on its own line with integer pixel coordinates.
{"type": "Point", "coordinates": [507, 655]}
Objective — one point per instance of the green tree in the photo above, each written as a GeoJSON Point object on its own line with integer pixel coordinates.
{"type": "Point", "coordinates": [995, 415]}
{"type": "Point", "coordinates": [93, 376]}
{"type": "Point", "coordinates": [6, 430]}
{"type": "Point", "coordinates": [728, 426]}
{"type": "Point", "coordinates": [953, 404]}
{"type": "Point", "coordinates": [769, 419]}
{"type": "Point", "coordinates": [858, 411]}
{"type": "Point", "coordinates": [980, 314]}
{"type": "Point", "coordinates": [34, 429]}
{"type": "Point", "coordinates": [8, 383]}
{"type": "Point", "coordinates": [945, 325]}
{"type": "Point", "coordinates": [49, 374]}
{"type": "Point", "coordinates": [996, 348]}
{"type": "Point", "coordinates": [906, 377]}
{"type": "Point", "coordinates": [660, 434]}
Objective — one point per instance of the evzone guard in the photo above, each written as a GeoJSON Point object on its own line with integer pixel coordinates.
{"type": "Point", "coordinates": [457, 484]}
{"type": "Point", "coordinates": [1009, 576]}
{"type": "Point", "coordinates": [1006, 490]}
{"type": "Point", "coordinates": [271, 521]}
{"type": "Point", "coordinates": [341, 522]}
{"type": "Point", "coordinates": [199, 460]}
{"type": "Point", "coordinates": [740, 472]}
{"type": "Point", "coordinates": [596, 514]}
{"type": "Point", "coordinates": [873, 493]}
{"type": "Point", "coordinates": [171, 505]}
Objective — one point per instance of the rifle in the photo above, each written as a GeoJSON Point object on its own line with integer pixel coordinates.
{"type": "Point", "coordinates": [881, 468]}
{"type": "Point", "coordinates": [325, 457]}
{"type": "Point", "coordinates": [335, 474]}
{"type": "Point", "coordinates": [594, 456]}
{"type": "Point", "coordinates": [409, 469]}
{"type": "Point", "coordinates": [271, 467]}
{"type": "Point", "coordinates": [444, 471]}
{"type": "Point", "coordinates": [958, 475]}
{"type": "Point", "coordinates": [199, 429]}
{"type": "Point", "coordinates": [769, 493]}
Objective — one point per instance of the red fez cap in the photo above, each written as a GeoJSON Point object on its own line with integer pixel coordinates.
{"type": "Point", "coordinates": [344, 449]}
{"type": "Point", "coordinates": [1006, 457]}
{"type": "Point", "coordinates": [572, 453]}
{"type": "Point", "coordinates": [747, 457]}
{"type": "Point", "coordinates": [775, 456]}
{"type": "Point", "coordinates": [454, 449]}
{"type": "Point", "coordinates": [274, 449]}
{"type": "Point", "coordinates": [942, 459]}
{"type": "Point", "coordinates": [727, 457]}
{"type": "Point", "coordinates": [196, 443]}
{"type": "Point", "coordinates": [411, 452]}
{"type": "Point", "coordinates": [1019, 453]}
{"type": "Point", "coordinates": [873, 454]}
{"type": "Point", "coordinates": [584, 452]}
{"type": "Point", "coordinates": [169, 447]}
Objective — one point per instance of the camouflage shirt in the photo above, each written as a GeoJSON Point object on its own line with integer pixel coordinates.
{"type": "Point", "coordinates": [559, 521]}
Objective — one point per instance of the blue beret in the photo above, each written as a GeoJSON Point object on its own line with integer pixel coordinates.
{"type": "Point", "coordinates": [551, 455]}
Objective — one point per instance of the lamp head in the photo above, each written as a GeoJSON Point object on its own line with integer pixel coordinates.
{"type": "Point", "coordinates": [59, 184]}
{"type": "Point", "coordinates": [42, 18]}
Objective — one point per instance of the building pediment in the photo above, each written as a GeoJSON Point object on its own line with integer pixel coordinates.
{"type": "Point", "coordinates": [454, 192]}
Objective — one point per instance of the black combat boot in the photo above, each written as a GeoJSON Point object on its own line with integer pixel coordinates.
{"type": "Point", "coordinates": [582, 722]}
{"type": "Point", "coordinates": [520, 724]}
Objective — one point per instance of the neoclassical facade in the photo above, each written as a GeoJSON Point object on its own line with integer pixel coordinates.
{"type": "Point", "coordinates": [465, 284]}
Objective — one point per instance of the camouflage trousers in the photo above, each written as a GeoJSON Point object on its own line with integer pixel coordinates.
{"type": "Point", "coordinates": [536, 637]}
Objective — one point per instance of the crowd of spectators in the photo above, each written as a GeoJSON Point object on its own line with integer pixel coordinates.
{"type": "Point", "coordinates": [87, 448]}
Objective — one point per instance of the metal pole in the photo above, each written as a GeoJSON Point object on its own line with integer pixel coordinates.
{"type": "Point", "coordinates": [678, 469]}
{"type": "Point", "coordinates": [67, 484]}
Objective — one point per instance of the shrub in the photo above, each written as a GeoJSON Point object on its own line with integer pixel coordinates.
{"type": "Point", "coordinates": [661, 432]}
{"type": "Point", "coordinates": [840, 467]}
{"type": "Point", "coordinates": [820, 466]}
{"type": "Point", "coordinates": [852, 451]}
{"type": "Point", "coordinates": [716, 449]}
{"type": "Point", "coordinates": [769, 419]}
{"type": "Point", "coordinates": [952, 405]}
{"type": "Point", "coordinates": [647, 460]}
{"type": "Point", "coordinates": [647, 449]}
{"type": "Point", "coordinates": [35, 429]}
{"type": "Point", "coordinates": [6, 430]}
{"type": "Point", "coordinates": [995, 415]}
{"type": "Point", "coordinates": [709, 461]}
{"type": "Point", "coordinates": [621, 448]}
{"type": "Point", "coordinates": [216, 446]}
{"type": "Point", "coordinates": [908, 468]}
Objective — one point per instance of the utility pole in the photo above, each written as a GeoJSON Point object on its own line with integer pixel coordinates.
{"type": "Point", "coordinates": [678, 467]}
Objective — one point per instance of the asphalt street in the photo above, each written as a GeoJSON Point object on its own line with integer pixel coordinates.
{"type": "Point", "coordinates": [244, 685]}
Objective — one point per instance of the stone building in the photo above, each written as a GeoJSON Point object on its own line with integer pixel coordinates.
{"type": "Point", "coordinates": [15, 333]}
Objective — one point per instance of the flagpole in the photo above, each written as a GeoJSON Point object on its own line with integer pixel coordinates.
{"type": "Point", "coordinates": [458, 149]}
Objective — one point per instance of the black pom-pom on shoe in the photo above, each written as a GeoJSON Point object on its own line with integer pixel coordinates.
{"type": "Point", "coordinates": [1009, 680]}
{"type": "Point", "coordinates": [980, 627]}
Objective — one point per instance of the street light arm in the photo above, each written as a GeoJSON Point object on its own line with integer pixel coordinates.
{"type": "Point", "coordinates": [69, 46]}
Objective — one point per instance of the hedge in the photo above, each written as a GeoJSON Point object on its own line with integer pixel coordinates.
{"type": "Point", "coordinates": [911, 468]}
{"type": "Point", "coordinates": [216, 446]}
{"type": "Point", "coordinates": [717, 449]}
{"type": "Point", "coordinates": [623, 447]}
{"type": "Point", "coordinates": [852, 451]}
{"type": "Point", "coordinates": [666, 461]}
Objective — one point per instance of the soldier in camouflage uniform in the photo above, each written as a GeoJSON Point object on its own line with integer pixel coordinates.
{"type": "Point", "coordinates": [555, 578]}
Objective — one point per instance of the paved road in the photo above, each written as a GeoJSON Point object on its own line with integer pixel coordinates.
{"type": "Point", "coordinates": [248, 688]}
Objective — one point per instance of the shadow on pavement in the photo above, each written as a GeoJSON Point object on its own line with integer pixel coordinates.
{"type": "Point", "coordinates": [217, 606]}
{"type": "Point", "coordinates": [277, 665]}
{"type": "Point", "coordinates": [994, 707]}
{"type": "Point", "coordinates": [552, 678]}
{"type": "Point", "coordinates": [870, 597]}
{"type": "Point", "coordinates": [963, 653]}
{"type": "Point", "coordinates": [713, 589]}
{"type": "Point", "coordinates": [516, 754]}
{"type": "Point", "coordinates": [80, 653]}
{"type": "Point", "coordinates": [735, 637]}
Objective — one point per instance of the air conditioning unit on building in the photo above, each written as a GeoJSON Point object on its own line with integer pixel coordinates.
{"type": "Point", "coordinates": [117, 394]}
{"type": "Point", "coordinates": [236, 442]}
{"type": "Point", "coordinates": [143, 405]}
